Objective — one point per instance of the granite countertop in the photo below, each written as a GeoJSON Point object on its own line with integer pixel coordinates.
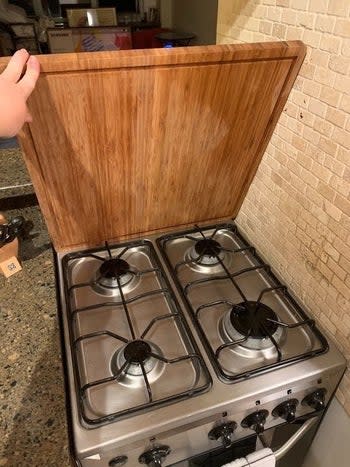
{"type": "Point", "coordinates": [32, 401]}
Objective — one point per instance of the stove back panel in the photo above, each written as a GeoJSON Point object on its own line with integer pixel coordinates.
{"type": "Point", "coordinates": [130, 142]}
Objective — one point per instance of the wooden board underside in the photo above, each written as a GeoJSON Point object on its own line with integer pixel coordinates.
{"type": "Point", "coordinates": [168, 139]}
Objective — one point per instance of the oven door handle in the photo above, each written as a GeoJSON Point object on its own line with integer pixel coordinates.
{"type": "Point", "coordinates": [306, 426]}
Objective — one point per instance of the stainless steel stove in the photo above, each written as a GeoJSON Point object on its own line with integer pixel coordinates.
{"type": "Point", "coordinates": [185, 349]}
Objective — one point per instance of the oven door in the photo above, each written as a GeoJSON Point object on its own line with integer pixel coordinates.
{"type": "Point", "coordinates": [290, 443]}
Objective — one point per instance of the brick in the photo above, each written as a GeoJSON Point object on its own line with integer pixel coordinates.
{"type": "Point", "coordinates": [291, 110]}
{"type": "Point", "coordinates": [342, 27]}
{"type": "Point", "coordinates": [252, 24]}
{"type": "Point", "coordinates": [345, 50]}
{"type": "Point", "coordinates": [342, 155]}
{"type": "Point", "coordinates": [279, 31]}
{"type": "Point", "coordinates": [305, 19]}
{"type": "Point", "coordinates": [258, 37]}
{"type": "Point", "coordinates": [325, 271]}
{"type": "Point", "coordinates": [342, 137]}
{"type": "Point", "coordinates": [342, 248]}
{"type": "Point", "coordinates": [338, 271]}
{"type": "Point", "coordinates": [339, 64]}
{"type": "Point", "coordinates": [313, 196]}
{"type": "Point", "coordinates": [323, 127]}
{"type": "Point", "coordinates": [289, 16]}
{"type": "Point", "coordinates": [325, 76]}
{"type": "Point", "coordinates": [310, 135]}
{"type": "Point", "coordinates": [341, 287]}
{"type": "Point", "coordinates": [328, 146]}
{"type": "Point", "coordinates": [345, 103]}
{"type": "Point", "coordinates": [260, 11]}
{"type": "Point", "coordinates": [344, 264]}
{"type": "Point", "coordinates": [312, 38]}
{"type": "Point", "coordinates": [304, 160]}
{"type": "Point", "coordinates": [335, 166]}
{"type": "Point", "coordinates": [299, 143]}
{"type": "Point", "coordinates": [343, 204]}
{"type": "Point", "coordinates": [309, 178]}
{"type": "Point", "coordinates": [325, 23]}
{"type": "Point", "coordinates": [330, 43]}
{"type": "Point", "coordinates": [339, 7]}
{"type": "Point", "coordinates": [332, 210]}
{"type": "Point", "coordinates": [335, 116]}
{"type": "Point", "coordinates": [338, 229]}
{"type": "Point", "coordinates": [326, 191]}
{"type": "Point", "coordinates": [284, 3]}
{"type": "Point", "coordinates": [317, 107]}
{"type": "Point", "coordinates": [294, 33]}
{"type": "Point", "coordinates": [330, 96]}
{"type": "Point", "coordinates": [274, 14]}
{"type": "Point", "coordinates": [311, 88]}
{"type": "Point", "coordinates": [319, 57]}
{"type": "Point", "coordinates": [342, 84]}
{"type": "Point", "coordinates": [265, 27]}
{"type": "Point", "coordinates": [307, 70]}
{"type": "Point", "coordinates": [245, 36]}
{"type": "Point", "coordinates": [306, 117]}
{"type": "Point", "coordinates": [298, 84]}
{"type": "Point", "coordinates": [318, 6]}
{"type": "Point", "coordinates": [314, 153]}
{"type": "Point", "coordinates": [340, 185]}
{"type": "Point", "coordinates": [300, 99]}
{"type": "Point", "coordinates": [322, 172]}
{"type": "Point", "coordinates": [299, 4]}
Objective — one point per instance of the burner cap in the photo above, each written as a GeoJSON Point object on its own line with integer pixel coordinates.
{"type": "Point", "coordinates": [252, 319]}
{"type": "Point", "coordinates": [113, 268]}
{"type": "Point", "coordinates": [207, 247]}
{"type": "Point", "coordinates": [137, 351]}
{"type": "Point", "coordinates": [135, 354]}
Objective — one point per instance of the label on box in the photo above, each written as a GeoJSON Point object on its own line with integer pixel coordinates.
{"type": "Point", "coordinates": [10, 266]}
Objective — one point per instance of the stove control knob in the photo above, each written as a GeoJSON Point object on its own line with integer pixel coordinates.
{"type": "Point", "coordinates": [224, 432]}
{"type": "Point", "coordinates": [316, 400]}
{"type": "Point", "coordinates": [154, 457]}
{"type": "Point", "coordinates": [118, 461]}
{"type": "Point", "coordinates": [256, 421]}
{"type": "Point", "coordinates": [286, 410]}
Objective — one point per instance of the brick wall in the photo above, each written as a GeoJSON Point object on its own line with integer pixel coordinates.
{"type": "Point", "coordinates": [297, 211]}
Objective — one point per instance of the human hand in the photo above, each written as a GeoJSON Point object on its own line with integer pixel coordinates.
{"type": "Point", "coordinates": [14, 92]}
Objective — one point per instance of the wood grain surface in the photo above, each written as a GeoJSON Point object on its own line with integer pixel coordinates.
{"type": "Point", "coordinates": [132, 142]}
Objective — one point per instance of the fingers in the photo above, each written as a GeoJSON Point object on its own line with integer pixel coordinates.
{"type": "Point", "coordinates": [15, 66]}
{"type": "Point", "coordinates": [30, 77]}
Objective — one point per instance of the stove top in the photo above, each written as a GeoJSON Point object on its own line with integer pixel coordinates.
{"type": "Point", "coordinates": [246, 318]}
{"type": "Point", "coordinates": [166, 337]}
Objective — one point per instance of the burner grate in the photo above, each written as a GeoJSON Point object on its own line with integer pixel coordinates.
{"type": "Point", "coordinates": [271, 329]}
{"type": "Point", "coordinates": [136, 349]}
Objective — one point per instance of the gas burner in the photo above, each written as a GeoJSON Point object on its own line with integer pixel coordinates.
{"type": "Point", "coordinates": [251, 320]}
{"type": "Point", "coordinates": [137, 353]}
{"type": "Point", "coordinates": [110, 272]}
{"type": "Point", "coordinates": [206, 256]}
{"type": "Point", "coordinates": [206, 251]}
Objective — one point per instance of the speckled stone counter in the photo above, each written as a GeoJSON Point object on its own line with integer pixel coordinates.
{"type": "Point", "coordinates": [13, 172]}
{"type": "Point", "coordinates": [32, 402]}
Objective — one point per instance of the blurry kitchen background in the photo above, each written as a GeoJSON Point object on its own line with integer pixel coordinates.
{"type": "Point", "coordinates": [60, 25]}
{"type": "Point", "coordinates": [297, 211]}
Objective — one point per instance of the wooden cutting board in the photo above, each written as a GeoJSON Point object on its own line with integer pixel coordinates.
{"type": "Point", "coordinates": [132, 142]}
